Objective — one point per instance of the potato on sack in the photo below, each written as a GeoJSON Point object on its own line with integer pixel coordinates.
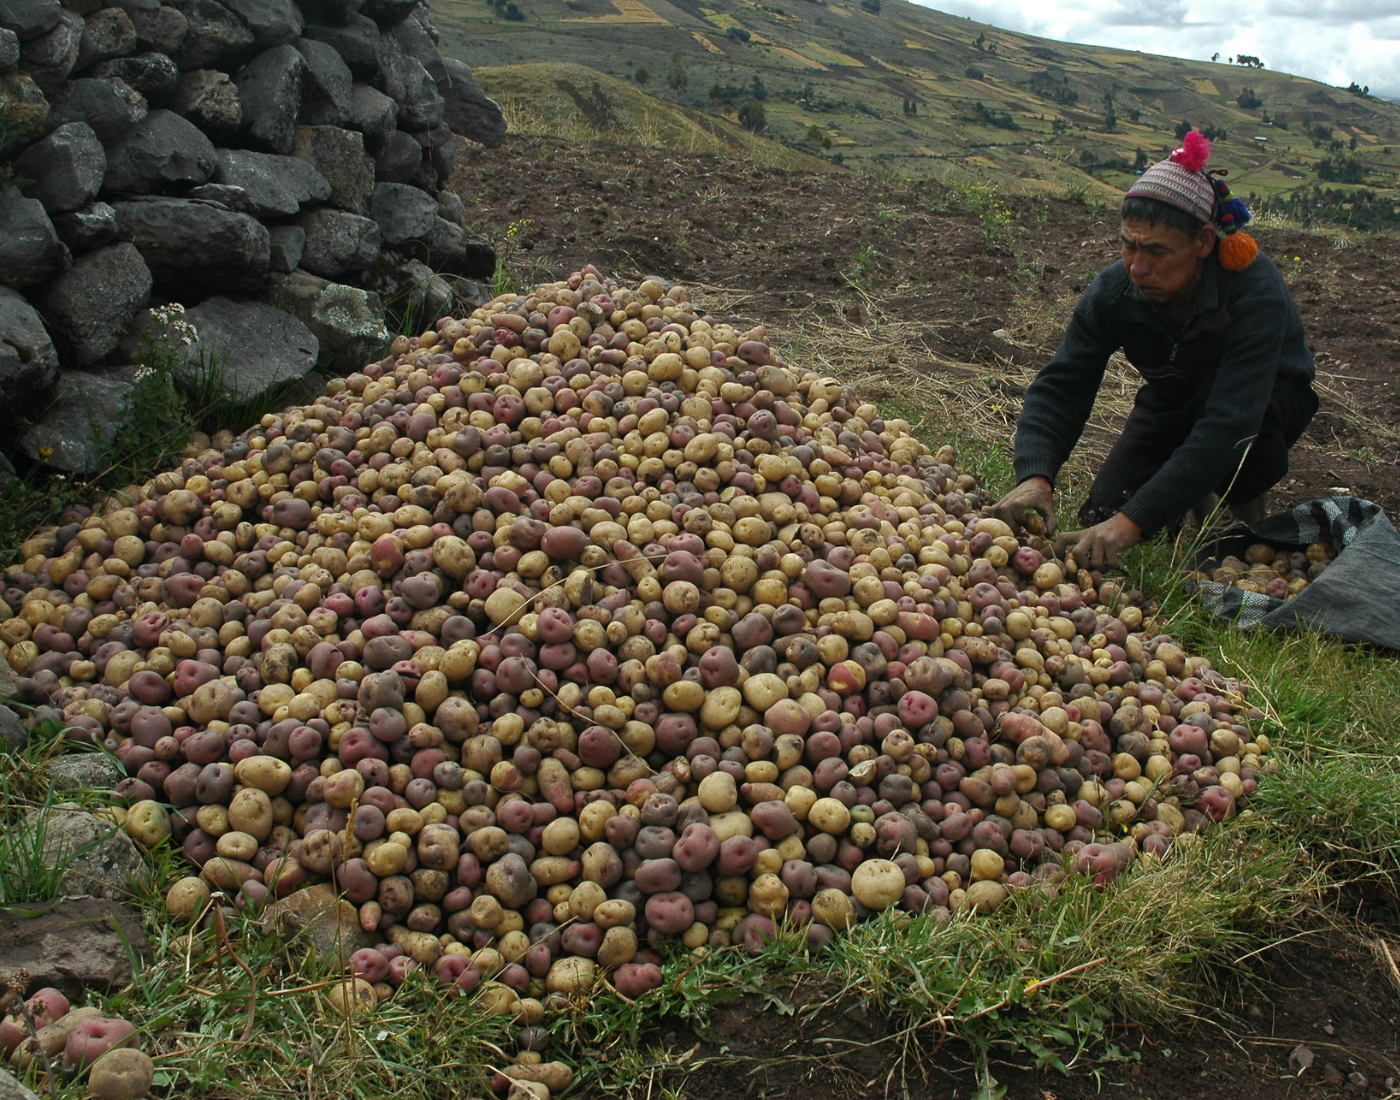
{"type": "Point", "coordinates": [585, 622]}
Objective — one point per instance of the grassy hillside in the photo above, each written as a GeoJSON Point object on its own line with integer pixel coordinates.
{"type": "Point", "coordinates": [582, 104]}
{"type": "Point", "coordinates": [888, 85]}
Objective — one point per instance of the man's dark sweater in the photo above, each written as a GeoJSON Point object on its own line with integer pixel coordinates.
{"type": "Point", "coordinates": [1243, 334]}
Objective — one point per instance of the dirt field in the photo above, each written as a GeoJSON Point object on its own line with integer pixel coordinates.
{"type": "Point", "coordinates": [950, 301]}
{"type": "Point", "coordinates": [901, 285]}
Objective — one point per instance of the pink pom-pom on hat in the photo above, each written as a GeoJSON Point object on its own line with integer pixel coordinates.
{"type": "Point", "coordinates": [1179, 180]}
{"type": "Point", "coordinates": [1194, 151]}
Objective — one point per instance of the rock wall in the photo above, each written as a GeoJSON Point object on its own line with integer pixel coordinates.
{"type": "Point", "coordinates": [276, 166]}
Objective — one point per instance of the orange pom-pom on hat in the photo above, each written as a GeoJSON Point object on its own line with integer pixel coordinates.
{"type": "Point", "coordinates": [1237, 251]}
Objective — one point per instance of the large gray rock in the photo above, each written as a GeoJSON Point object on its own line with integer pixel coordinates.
{"type": "Point", "coordinates": [404, 80]}
{"type": "Point", "coordinates": [258, 346]}
{"type": "Point", "coordinates": [84, 771]}
{"type": "Point", "coordinates": [10, 1089]}
{"type": "Point", "coordinates": [414, 37]}
{"type": "Point", "coordinates": [9, 49]}
{"type": "Point", "coordinates": [277, 187]}
{"type": "Point", "coordinates": [441, 149]}
{"type": "Point", "coordinates": [28, 359]}
{"type": "Point", "coordinates": [326, 98]}
{"type": "Point", "coordinates": [374, 114]}
{"type": "Point", "coordinates": [13, 736]}
{"type": "Point", "coordinates": [287, 244]}
{"type": "Point", "coordinates": [403, 213]}
{"type": "Point", "coordinates": [270, 87]}
{"type": "Point", "coordinates": [23, 107]}
{"type": "Point", "coordinates": [86, 413]}
{"type": "Point", "coordinates": [449, 248]}
{"type": "Point", "coordinates": [106, 34]}
{"type": "Point", "coordinates": [411, 290]}
{"type": "Point", "coordinates": [50, 57]}
{"type": "Point", "coordinates": [340, 156]}
{"type": "Point", "coordinates": [93, 855]}
{"type": "Point", "coordinates": [30, 250]}
{"type": "Point", "coordinates": [111, 106]}
{"type": "Point", "coordinates": [273, 22]}
{"type": "Point", "coordinates": [400, 161]}
{"type": "Point", "coordinates": [66, 168]}
{"type": "Point", "coordinates": [161, 28]}
{"type": "Point", "coordinates": [335, 13]}
{"type": "Point", "coordinates": [216, 38]}
{"type": "Point", "coordinates": [74, 944]}
{"type": "Point", "coordinates": [209, 99]}
{"type": "Point", "coordinates": [451, 207]}
{"type": "Point", "coordinates": [154, 76]}
{"type": "Point", "coordinates": [468, 110]}
{"type": "Point", "coordinates": [357, 42]}
{"type": "Point", "coordinates": [348, 321]}
{"type": "Point", "coordinates": [190, 243]}
{"type": "Point", "coordinates": [28, 18]}
{"type": "Point", "coordinates": [91, 227]}
{"type": "Point", "coordinates": [163, 150]}
{"type": "Point", "coordinates": [319, 921]}
{"type": "Point", "coordinates": [88, 306]}
{"type": "Point", "coordinates": [386, 13]}
{"type": "Point", "coordinates": [338, 243]}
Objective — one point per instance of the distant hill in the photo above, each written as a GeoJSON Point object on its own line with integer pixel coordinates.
{"type": "Point", "coordinates": [583, 104]}
{"type": "Point", "coordinates": [889, 86]}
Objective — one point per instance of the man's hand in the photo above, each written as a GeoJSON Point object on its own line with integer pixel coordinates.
{"type": "Point", "coordinates": [1035, 494]}
{"type": "Point", "coordinates": [1097, 546]}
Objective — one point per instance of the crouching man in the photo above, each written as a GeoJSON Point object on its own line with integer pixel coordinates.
{"type": "Point", "coordinates": [1211, 328]}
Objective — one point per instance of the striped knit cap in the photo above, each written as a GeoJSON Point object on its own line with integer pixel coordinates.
{"type": "Point", "coordinates": [1183, 182]}
{"type": "Point", "coordinates": [1179, 180]}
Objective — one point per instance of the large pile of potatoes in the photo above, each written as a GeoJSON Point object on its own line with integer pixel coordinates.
{"type": "Point", "coordinates": [586, 622]}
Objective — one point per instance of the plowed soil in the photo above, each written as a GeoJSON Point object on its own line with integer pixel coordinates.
{"type": "Point", "coordinates": [928, 275]}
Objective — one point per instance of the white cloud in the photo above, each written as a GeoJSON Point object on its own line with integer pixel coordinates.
{"type": "Point", "coordinates": [1334, 41]}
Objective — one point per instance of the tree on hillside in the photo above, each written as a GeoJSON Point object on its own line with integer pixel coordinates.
{"type": "Point", "coordinates": [1341, 170]}
{"type": "Point", "coordinates": [752, 117]}
{"type": "Point", "coordinates": [675, 77]}
{"type": "Point", "coordinates": [641, 76]}
{"type": "Point", "coordinates": [1182, 129]}
{"type": "Point", "coordinates": [1248, 100]}
{"type": "Point", "coordinates": [757, 89]}
{"type": "Point", "coordinates": [1250, 60]}
{"type": "Point", "coordinates": [1110, 116]}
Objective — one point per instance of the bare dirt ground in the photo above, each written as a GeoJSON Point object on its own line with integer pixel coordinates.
{"type": "Point", "coordinates": [949, 301]}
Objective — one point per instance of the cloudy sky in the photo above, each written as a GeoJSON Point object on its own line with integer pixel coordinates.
{"type": "Point", "coordinates": [1334, 41]}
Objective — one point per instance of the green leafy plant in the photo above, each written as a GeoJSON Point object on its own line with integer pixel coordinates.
{"type": "Point", "coordinates": [863, 269]}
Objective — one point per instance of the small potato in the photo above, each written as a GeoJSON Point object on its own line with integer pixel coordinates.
{"type": "Point", "coordinates": [352, 997]}
{"type": "Point", "coordinates": [122, 1074]}
{"type": "Point", "coordinates": [148, 823]}
{"type": "Point", "coordinates": [878, 883]}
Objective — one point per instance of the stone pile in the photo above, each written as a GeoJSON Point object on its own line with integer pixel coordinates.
{"type": "Point", "coordinates": [277, 166]}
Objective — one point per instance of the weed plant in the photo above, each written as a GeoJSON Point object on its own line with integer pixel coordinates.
{"type": "Point", "coordinates": [181, 389]}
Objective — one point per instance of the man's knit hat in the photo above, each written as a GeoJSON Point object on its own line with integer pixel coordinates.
{"type": "Point", "coordinates": [1182, 181]}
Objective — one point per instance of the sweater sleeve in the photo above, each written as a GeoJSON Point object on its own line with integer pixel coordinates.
{"type": "Point", "coordinates": [1058, 402]}
{"type": "Point", "coordinates": [1234, 410]}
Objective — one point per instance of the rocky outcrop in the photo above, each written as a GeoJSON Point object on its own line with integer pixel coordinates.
{"type": "Point", "coordinates": [275, 165]}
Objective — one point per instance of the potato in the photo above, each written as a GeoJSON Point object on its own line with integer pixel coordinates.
{"type": "Point", "coordinates": [148, 823]}
{"type": "Point", "coordinates": [877, 884]}
{"type": "Point", "coordinates": [122, 1074]}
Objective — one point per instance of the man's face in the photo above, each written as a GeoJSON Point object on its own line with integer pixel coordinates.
{"type": "Point", "coordinates": [1165, 264]}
